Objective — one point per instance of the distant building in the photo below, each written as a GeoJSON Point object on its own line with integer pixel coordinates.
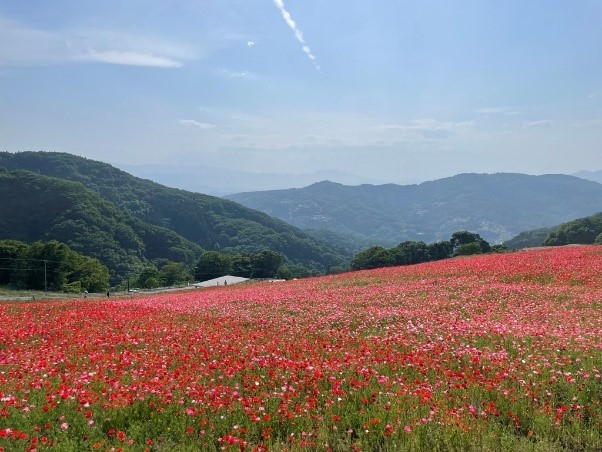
{"type": "Point", "coordinates": [226, 280]}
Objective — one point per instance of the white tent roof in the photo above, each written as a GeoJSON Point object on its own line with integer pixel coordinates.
{"type": "Point", "coordinates": [221, 281]}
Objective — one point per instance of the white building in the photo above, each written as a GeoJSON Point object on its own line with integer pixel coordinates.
{"type": "Point", "coordinates": [221, 281]}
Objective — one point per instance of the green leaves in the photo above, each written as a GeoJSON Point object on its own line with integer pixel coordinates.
{"type": "Point", "coordinates": [214, 264]}
{"type": "Point", "coordinates": [580, 231]}
{"type": "Point", "coordinates": [50, 265]}
{"type": "Point", "coordinates": [409, 252]}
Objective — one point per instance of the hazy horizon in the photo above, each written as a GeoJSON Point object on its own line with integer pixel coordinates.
{"type": "Point", "coordinates": [221, 182]}
{"type": "Point", "coordinates": [396, 92]}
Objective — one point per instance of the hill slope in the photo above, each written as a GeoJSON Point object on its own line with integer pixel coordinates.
{"type": "Point", "coordinates": [583, 231]}
{"type": "Point", "coordinates": [497, 206]}
{"type": "Point", "coordinates": [37, 207]}
{"type": "Point", "coordinates": [210, 222]}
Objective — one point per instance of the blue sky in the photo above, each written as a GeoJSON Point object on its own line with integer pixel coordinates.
{"type": "Point", "coordinates": [394, 90]}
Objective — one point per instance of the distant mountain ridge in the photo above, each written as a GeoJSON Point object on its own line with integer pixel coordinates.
{"type": "Point", "coordinates": [496, 206]}
{"type": "Point", "coordinates": [223, 181]}
{"type": "Point", "coordinates": [595, 176]}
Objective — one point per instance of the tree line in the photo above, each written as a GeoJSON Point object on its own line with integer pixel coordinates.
{"type": "Point", "coordinates": [412, 252]}
{"type": "Point", "coordinates": [50, 266]}
{"type": "Point", "coordinates": [266, 264]}
{"type": "Point", "coordinates": [581, 231]}
{"type": "Point", "coordinates": [587, 230]}
{"type": "Point", "coordinates": [54, 266]}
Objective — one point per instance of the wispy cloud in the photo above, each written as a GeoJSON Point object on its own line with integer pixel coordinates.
{"type": "Point", "coordinates": [193, 123]}
{"type": "Point", "coordinates": [236, 74]}
{"type": "Point", "coordinates": [488, 111]}
{"type": "Point", "coordinates": [298, 33]}
{"type": "Point", "coordinates": [429, 128]}
{"type": "Point", "coordinates": [129, 59]}
{"type": "Point", "coordinates": [31, 46]}
{"type": "Point", "coordinates": [539, 123]}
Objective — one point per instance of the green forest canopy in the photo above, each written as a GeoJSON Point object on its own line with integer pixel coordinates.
{"type": "Point", "coordinates": [583, 231]}
{"type": "Point", "coordinates": [49, 266]}
{"type": "Point", "coordinates": [410, 252]}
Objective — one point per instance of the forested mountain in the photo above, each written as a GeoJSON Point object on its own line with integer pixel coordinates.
{"type": "Point", "coordinates": [36, 207]}
{"type": "Point", "coordinates": [528, 239]}
{"type": "Point", "coordinates": [583, 231]}
{"type": "Point", "coordinates": [207, 222]}
{"type": "Point", "coordinates": [497, 206]}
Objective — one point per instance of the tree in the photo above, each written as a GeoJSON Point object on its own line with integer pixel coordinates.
{"type": "Point", "coordinates": [556, 238]}
{"type": "Point", "coordinates": [10, 253]}
{"type": "Point", "coordinates": [241, 265]}
{"type": "Point", "coordinates": [464, 237]}
{"type": "Point", "coordinates": [212, 264]}
{"type": "Point", "coordinates": [149, 278]}
{"type": "Point", "coordinates": [174, 273]}
{"type": "Point", "coordinates": [407, 253]}
{"type": "Point", "coordinates": [89, 273]}
{"type": "Point", "coordinates": [499, 248]}
{"type": "Point", "coordinates": [336, 269]}
{"type": "Point", "coordinates": [581, 231]}
{"type": "Point", "coordinates": [467, 249]}
{"type": "Point", "coordinates": [266, 264]}
{"type": "Point", "coordinates": [440, 250]}
{"type": "Point", "coordinates": [300, 271]}
{"type": "Point", "coordinates": [284, 272]}
{"type": "Point", "coordinates": [373, 257]}
{"type": "Point", "coordinates": [50, 265]}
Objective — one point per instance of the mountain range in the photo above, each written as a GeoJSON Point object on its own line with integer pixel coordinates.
{"type": "Point", "coordinates": [224, 181]}
{"type": "Point", "coordinates": [128, 222]}
{"type": "Point", "coordinates": [496, 206]}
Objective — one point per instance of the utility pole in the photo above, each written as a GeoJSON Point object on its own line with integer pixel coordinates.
{"type": "Point", "coordinates": [45, 277]}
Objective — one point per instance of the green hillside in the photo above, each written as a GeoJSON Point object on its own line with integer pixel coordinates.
{"type": "Point", "coordinates": [581, 231]}
{"type": "Point", "coordinates": [37, 207]}
{"type": "Point", "coordinates": [528, 239]}
{"type": "Point", "coordinates": [209, 222]}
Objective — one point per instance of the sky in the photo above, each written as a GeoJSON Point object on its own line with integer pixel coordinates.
{"type": "Point", "coordinates": [396, 91]}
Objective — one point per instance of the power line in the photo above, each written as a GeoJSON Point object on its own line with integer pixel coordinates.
{"type": "Point", "coordinates": [32, 269]}
{"type": "Point", "coordinates": [17, 269]}
{"type": "Point", "coordinates": [29, 259]}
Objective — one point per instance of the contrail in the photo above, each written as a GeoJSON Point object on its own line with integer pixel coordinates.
{"type": "Point", "coordinates": [298, 34]}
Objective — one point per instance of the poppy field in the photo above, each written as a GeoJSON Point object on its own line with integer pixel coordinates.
{"type": "Point", "coordinates": [489, 352]}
